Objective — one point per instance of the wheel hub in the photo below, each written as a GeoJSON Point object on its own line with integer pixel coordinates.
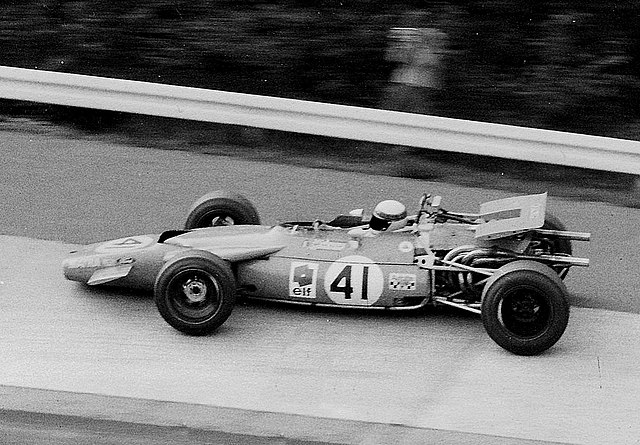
{"type": "Point", "coordinates": [525, 309]}
{"type": "Point", "coordinates": [524, 313]}
{"type": "Point", "coordinates": [222, 221]}
{"type": "Point", "coordinates": [195, 291]}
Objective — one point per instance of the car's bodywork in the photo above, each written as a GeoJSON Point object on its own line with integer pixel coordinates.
{"type": "Point", "coordinates": [440, 257]}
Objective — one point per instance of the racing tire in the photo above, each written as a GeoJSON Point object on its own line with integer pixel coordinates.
{"type": "Point", "coordinates": [195, 292]}
{"type": "Point", "coordinates": [525, 308]}
{"type": "Point", "coordinates": [221, 208]}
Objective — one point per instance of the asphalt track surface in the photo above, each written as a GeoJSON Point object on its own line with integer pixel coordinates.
{"type": "Point", "coordinates": [277, 372]}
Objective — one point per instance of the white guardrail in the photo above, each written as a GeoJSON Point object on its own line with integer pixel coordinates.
{"type": "Point", "coordinates": [366, 124]}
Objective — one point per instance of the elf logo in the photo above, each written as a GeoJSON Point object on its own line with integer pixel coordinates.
{"type": "Point", "coordinates": [302, 280]}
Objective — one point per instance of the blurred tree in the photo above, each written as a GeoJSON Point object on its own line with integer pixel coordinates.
{"type": "Point", "coordinates": [552, 63]}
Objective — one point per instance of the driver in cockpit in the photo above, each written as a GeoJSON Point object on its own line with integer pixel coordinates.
{"type": "Point", "coordinates": [389, 215]}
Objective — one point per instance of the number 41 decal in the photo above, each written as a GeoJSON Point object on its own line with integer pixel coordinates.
{"type": "Point", "coordinates": [354, 280]}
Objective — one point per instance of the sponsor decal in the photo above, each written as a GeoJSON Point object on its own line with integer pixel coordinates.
{"type": "Point", "coordinates": [125, 244]}
{"type": "Point", "coordinates": [354, 280]}
{"type": "Point", "coordinates": [302, 279]}
{"type": "Point", "coordinates": [405, 247]}
{"type": "Point", "coordinates": [402, 281]}
{"type": "Point", "coordinates": [324, 244]}
{"type": "Point", "coordinates": [95, 262]}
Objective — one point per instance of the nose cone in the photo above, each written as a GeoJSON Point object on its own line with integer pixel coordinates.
{"type": "Point", "coordinates": [131, 262]}
{"type": "Point", "coordinates": [75, 266]}
{"type": "Point", "coordinates": [82, 263]}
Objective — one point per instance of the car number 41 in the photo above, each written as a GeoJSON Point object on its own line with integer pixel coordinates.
{"type": "Point", "coordinates": [354, 280]}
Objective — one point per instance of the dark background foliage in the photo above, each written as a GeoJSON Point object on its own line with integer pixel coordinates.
{"type": "Point", "coordinates": [557, 64]}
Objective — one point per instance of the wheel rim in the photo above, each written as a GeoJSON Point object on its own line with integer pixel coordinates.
{"type": "Point", "coordinates": [194, 295]}
{"type": "Point", "coordinates": [216, 219]}
{"type": "Point", "coordinates": [525, 312]}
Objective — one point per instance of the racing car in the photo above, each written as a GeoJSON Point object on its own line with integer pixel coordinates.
{"type": "Point", "coordinates": [506, 263]}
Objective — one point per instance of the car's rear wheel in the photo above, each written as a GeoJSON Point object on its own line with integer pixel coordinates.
{"type": "Point", "coordinates": [525, 308]}
{"type": "Point", "coordinates": [221, 209]}
{"type": "Point", "coordinates": [195, 292]}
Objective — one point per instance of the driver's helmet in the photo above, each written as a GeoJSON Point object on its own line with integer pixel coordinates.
{"type": "Point", "coordinates": [389, 215]}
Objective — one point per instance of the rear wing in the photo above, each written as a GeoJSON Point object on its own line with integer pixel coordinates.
{"type": "Point", "coordinates": [511, 216]}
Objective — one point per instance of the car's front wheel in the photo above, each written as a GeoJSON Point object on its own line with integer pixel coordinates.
{"type": "Point", "coordinates": [195, 292]}
{"type": "Point", "coordinates": [525, 308]}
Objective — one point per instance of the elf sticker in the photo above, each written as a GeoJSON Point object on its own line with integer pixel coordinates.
{"type": "Point", "coordinates": [302, 280]}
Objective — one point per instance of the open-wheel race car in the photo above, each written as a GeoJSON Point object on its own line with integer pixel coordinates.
{"type": "Point", "coordinates": [507, 263]}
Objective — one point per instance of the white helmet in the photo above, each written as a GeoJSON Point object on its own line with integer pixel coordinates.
{"type": "Point", "coordinates": [389, 215]}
